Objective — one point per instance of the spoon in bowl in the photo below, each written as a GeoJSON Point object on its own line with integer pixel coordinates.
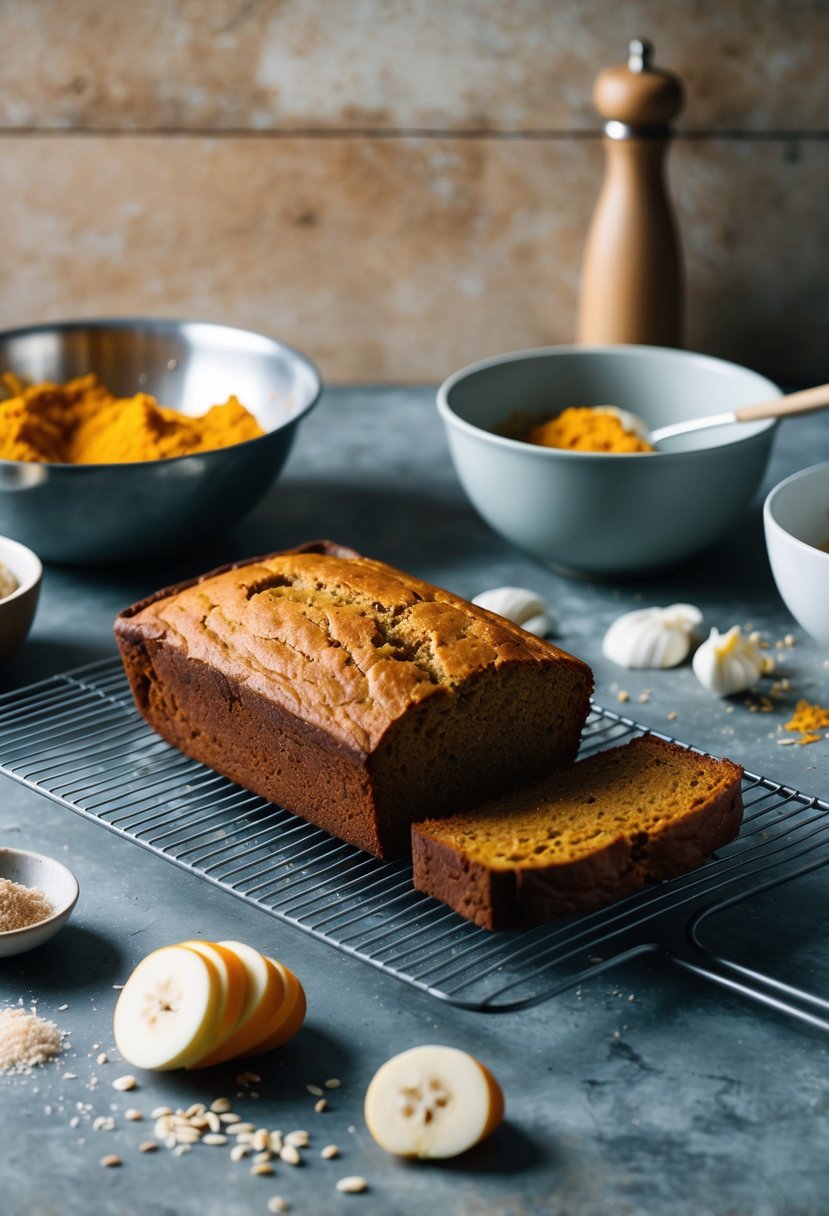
{"type": "Point", "coordinates": [803, 402]}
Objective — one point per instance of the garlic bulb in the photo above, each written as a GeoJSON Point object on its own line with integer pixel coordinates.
{"type": "Point", "coordinates": [519, 605]}
{"type": "Point", "coordinates": [727, 662]}
{"type": "Point", "coordinates": [652, 637]}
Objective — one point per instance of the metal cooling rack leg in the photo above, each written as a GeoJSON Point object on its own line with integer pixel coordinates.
{"type": "Point", "coordinates": [774, 994]}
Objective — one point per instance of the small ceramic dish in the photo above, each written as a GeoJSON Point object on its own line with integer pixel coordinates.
{"type": "Point", "coordinates": [796, 522]}
{"type": "Point", "coordinates": [57, 883]}
{"type": "Point", "coordinates": [17, 610]}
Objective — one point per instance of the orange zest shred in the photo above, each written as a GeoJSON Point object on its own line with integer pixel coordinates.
{"type": "Point", "coordinates": [82, 422]}
{"type": "Point", "coordinates": [584, 429]}
{"type": "Point", "coordinates": [808, 720]}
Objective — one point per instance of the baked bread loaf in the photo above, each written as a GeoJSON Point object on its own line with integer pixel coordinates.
{"type": "Point", "coordinates": [582, 838]}
{"type": "Point", "coordinates": [350, 693]}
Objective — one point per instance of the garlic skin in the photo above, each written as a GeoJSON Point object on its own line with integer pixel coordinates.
{"type": "Point", "coordinates": [519, 605]}
{"type": "Point", "coordinates": [652, 637]}
{"type": "Point", "coordinates": [727, 662]}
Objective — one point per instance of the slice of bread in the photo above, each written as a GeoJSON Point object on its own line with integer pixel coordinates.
{"type": "Point", "coordinates": [580, 838]}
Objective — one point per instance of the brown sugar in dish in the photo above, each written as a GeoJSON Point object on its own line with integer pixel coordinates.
{"type": "Point", "coordinates": [21, 906]}
{"type": "Point", "coordinates": [581, 838]}
{"type": "Point", "coordinates": [349, 692]}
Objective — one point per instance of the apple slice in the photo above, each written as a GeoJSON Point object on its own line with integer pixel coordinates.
{"type": "Point", "coordinates": [234, 981]}
{"type": "Point", "coordinates": [288, 1018]}
{"type": "Point", "coordinates": [266, 992]}
{"type": "Point", "coordinates": [168, 1010]}
{"type": "Point", "coordinates": [432, 1102]}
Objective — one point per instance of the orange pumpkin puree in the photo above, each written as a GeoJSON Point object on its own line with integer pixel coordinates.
{"type": "Point", "coordinates": [582, 429]}
{"type": "Point", "coordinates": [82, 422]}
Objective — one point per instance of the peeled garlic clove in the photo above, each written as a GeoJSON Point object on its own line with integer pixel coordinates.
{"type": "Point", "coordinates": [519, 605]}
{"type": "Point", "coordinates": [727, 662]}
{"type": "Point", "coordinates": [652, 637]}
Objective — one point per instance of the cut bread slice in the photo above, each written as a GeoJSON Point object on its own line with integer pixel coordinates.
{"type": "Point", "coordinates": [581, 837]}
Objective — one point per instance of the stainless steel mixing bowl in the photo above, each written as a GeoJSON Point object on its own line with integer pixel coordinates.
{"type": "Point", "coordinates": [108, 512]}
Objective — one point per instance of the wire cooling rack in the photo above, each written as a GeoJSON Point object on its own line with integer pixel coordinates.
{"type": "Point", "coordinates": [77, 738]}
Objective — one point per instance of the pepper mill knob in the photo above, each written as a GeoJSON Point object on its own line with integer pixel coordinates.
{"type": "Point", "coordinates": [636, 93]}
{"type": "Point", "coordinates": [631, 280]}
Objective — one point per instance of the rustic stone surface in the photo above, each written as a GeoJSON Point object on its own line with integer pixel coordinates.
{"type": "Point", "coordinates": [402, 259]}
{"type": "Point", "coordinates": [472, 63]}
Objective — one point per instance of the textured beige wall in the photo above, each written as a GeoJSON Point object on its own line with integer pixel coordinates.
{"type": "Point", "coordinates": [400, 187]}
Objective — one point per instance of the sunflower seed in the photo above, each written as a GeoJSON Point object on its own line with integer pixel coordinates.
{"type": "Point", "coordinates": [352, 1185]}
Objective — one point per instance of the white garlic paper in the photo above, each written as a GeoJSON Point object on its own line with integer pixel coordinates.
{"type": "Point", "coordinates": [728, 662]}
{"type": "Point", "coordinates": [652, 637]}
{"type": "Point", "coordinates": [519, 605]}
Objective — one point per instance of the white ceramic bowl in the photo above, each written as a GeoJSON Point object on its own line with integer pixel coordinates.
{"type": "Point", "coordinates": [601, 513]}
{"type": "Point", "coordinates": [796, 520]}
{"type": "Point", "coordinates": [17, 610]}
{"type": "Point", "coordinates": [57, 883]}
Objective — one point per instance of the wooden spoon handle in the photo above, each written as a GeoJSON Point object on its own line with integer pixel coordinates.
{"type": "Point", "coordinates": [794, 403]}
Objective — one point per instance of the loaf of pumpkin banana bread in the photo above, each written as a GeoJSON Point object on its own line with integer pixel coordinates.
{"type": "Point", "coordinates": [350, 693]}
{"type": "Point", "coordinates": [581, 838]}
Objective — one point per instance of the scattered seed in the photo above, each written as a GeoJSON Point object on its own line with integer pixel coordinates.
{"type": "Point", "coordinates": [261, 1139]}
{"type": "Point", "coordinates": [170, 1141]}
{"type": "Point", "coordinates": [202, 1123]}
{"type": "Point", "coordinates": [299, 1139]}
{"type": "Point", "coordinates": [188, 1135]}
{"type": "Point", "coordinates": [159, 1112]}
{"type": "Point", "coordinates": [321, 1107]}
{"type": "Point", "coordinates": [127, 1082]}
{"type": "Point", "coordinates": [352, 1185]}
{"type": "Point", "coordinates": [290, 1155]}
{"type": "Point", "coordinates": [263, 1170]}
{"type": "Point", "coordinates": [62, 1008]}
{"type": "Point", "coordinates": [229, 1117]}
{"type": "Point", "coordinates": [276, 1142]}
{"type": "Point", "coordinates": [70, 1076]}
{"type": "Point", "coordinates": [622, 696]}
{"type": "Point", "coordinates": [245, 1138]}
{"type": "Point", "coordinates": [103, 1058]}
{"type": "Point", "coordinates": [239, 1151]}
{"type": "Point", "coordinates": [220, 1106]}
{"type": "Point", "coordinates": [277, 1204]}
{"type": "Point", "coordinates": [111, 1161]}
{"type": "Point", "coordinates": [148, 1146]}
{"type": "Point", "coordinates": [133, 1115]}
{"type": "Point", "coordinates": [198, 1108]}
{"type": "Point", "coordinates": [239, 1129]}
{"type": "Point", "coordinates": [212, 1138]}
{"type": "Point", "coordinates": [333, 1083]}
{"type": "Point", "coordinates": [315, 1090]}
{"type": "Point", "coordinates": [181, 1149]}
{"type": "Point", "coordinates": [330, 1152]}
{"type": "Point", "coordinates": [260, 1158]}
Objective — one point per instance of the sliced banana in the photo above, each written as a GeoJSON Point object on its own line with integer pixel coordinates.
{"type": "Point", "coordinates": [266, 993]}
{"type": "Point", "coordinates": [286, 1020]}
{"type": "Point", "coordinates": [169, 1009]}
{"type": "Point", "coordinates": [234, 981]}
{"type": "Point", "coordinates": [432, 1101]}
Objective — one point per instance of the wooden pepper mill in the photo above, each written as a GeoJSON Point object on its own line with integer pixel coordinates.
{"type": "Point", "coordinates": [631, 281]}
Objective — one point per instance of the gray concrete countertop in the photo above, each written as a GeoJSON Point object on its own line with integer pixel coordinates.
{"type": "Point", "coordinates": [646, 1092]}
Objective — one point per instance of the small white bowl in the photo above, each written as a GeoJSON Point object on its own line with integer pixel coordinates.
{"type": "Point", "coordinates": [58, 884]}
{"type": "Point", "coordinates": [17, 611]}
{"type": "Point", "coordinates": [796, 521]}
